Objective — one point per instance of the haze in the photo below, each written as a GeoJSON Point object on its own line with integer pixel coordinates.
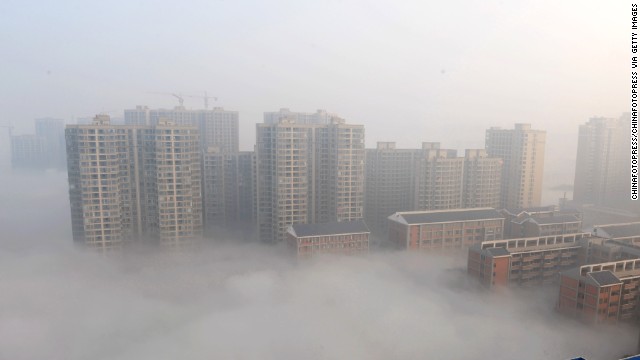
{"type": "Point", "coordinates": [246, 301]}
{"type": "Point", "coordinates": [410, 71]}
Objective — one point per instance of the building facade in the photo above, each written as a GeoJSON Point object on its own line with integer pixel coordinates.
{"type": "Point", "coordinates": [602, 163]}
{"type": "Point", "coordinates": [439, 179]}
{"type": "Point", "coordinates": [601, 293]}
{"type": "Point", "coordinates": [344, 238]}
{"type": "Point", "coordinates": [218, 128]}
{"type": "Point", "coordinates": [389, 183]}
{"type": "Point", "coordinates": [526, 261]}
{"type": "Point", "coordinates": [429, 178]}
{"type": "Point", "coordinates": [541, 221]}
{"type": "Point", "coordinates": [228, 192]}
{"type": "Point", "coordinates": [307, 173]}
{"type": "Point", "coordinates": [134, 183]}
{"type": "Point", "coordinates": [446, 229]}
{"type": "Point", "coordinates": [482, 180]}
{"type": "Point", "coordinates": [522, 151]}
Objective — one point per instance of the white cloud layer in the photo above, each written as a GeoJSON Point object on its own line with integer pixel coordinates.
{"type": "Point", "coordinates": [247, 301]}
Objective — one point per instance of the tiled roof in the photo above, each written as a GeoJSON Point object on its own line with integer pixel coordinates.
{"type": "Point", "coordinates": [428, 217]}
{"type": "Point", "coordinates": [333, 228]}
{"type": "Point", "coordinates": [518, 211]}
{"type": "Point", "coordinates": [558, 219]}
{"type": "Point", "coordinates": [604, 278]}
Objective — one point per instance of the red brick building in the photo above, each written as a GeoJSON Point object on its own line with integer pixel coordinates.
{"type": "Point", "coordinates": [526, 261]}
{"type": "Point", "coordinates": [601, 293]}
{"type": "Point", "coordinates": [444, 229]}
{"type": "Point", "coordinates": [346, 237]}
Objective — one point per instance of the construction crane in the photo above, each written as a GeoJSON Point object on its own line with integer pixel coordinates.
{"type": "Point", "coordinates": [206, 98]}
{"type": "Point", "coordinates": [177, 96]}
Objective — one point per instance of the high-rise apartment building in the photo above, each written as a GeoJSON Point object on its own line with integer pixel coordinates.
{"type": "Point", "coordinates": [602, 169]}
{"type": "Point", "coordinates": [134, 182]}
{"type": "Point", "coordinates": [429, 178]}
{"type": "Point", "coordinates": [482, 180]}
{"type": "Point", "coordinates": [45, 149]}
{"type": "Point", "coordinates": [218, 127]}
{"type": "Point", "coordinates": [389, 183]}
{"type": "Point", "coordinates": [227, 191]}
{"type": "Point", "coordinates": [438, 179]}
{"type": "Point", "coordinates": [522, 152]}
{"type": "Point", "coordinates": [320, 117]}
{"type": "Point", "coordinates": [309, 172]}
{"type": "Point", "coordinates": [227, 176]}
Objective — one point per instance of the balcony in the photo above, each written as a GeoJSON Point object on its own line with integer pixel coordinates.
{"type": "Point", "coordinates": [628, 306]}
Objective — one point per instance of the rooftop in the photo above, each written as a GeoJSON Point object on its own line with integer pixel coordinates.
{"type": "Point", "coordinates": [332, 228]}
{"type": "Point", "coordinates": [558, 219]}
{"type": "Point", "coordinates": [604, 278]}
{"type": "Point", "coordinates": [442, 216]}
{"type": "Point", "coordinates": [530, 210]}
{"type": "Point", "coordinates": [498, 251]}
{"type": "Point", "coordinates": [618, 230]}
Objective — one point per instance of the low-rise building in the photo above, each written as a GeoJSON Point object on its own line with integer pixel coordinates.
{"type": "Point", "coordinates": [444, 229]}
{"type": "Point", "coordinates": [346, 237]}
{"type": "Point", "coordinates": [526, 261]}
{"type": "Point", "coordinates": [628, 233]}
{"type": "Point", "coordinates": [554, 225]}
{"type": "Point", "coordinates": [601, 293]}
{"type": "Point", "coordinates": [540, 221]}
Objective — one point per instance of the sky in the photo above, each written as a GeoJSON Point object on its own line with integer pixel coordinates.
{"type": "Point", "coordinates": [410, 71]}
{"type": "Point", "coordinates": [249, 301]}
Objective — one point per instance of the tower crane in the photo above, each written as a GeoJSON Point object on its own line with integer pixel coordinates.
{"type": "Point", "coordinates": [177, 96]}
{"type": "Point", "coordinates": [206, 98]}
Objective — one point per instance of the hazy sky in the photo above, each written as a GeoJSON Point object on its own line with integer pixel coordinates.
{"type": "Point", "coordinates": [411, 71]}
{"type": "Point", "coordinates": [414, 64]}
{"type": "Point", "coordinates": [250, 301]}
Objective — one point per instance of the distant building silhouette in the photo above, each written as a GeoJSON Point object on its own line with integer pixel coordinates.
{"type": "Point", "coordinates": [45, 149]}
{"type": "Point", "coordinates": [602, 163]}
